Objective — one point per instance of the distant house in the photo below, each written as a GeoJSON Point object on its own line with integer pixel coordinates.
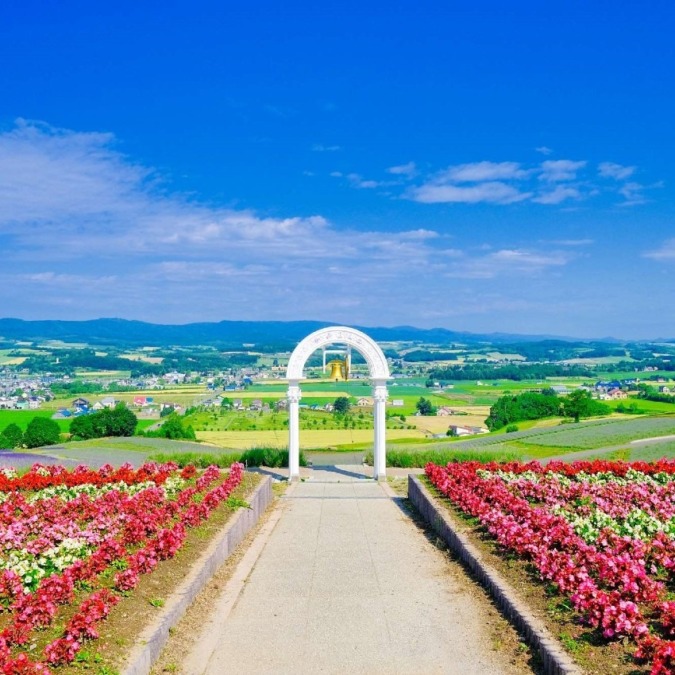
{"type": "Point", "coordinates": [616, 394]}
{"type": "Point", "coordinates": [397, 403]}
{"type": "Point", "coordinates": [281, 404]}
{"type": "Point", "coordinates": [140, 401]}
{"type": "Point", "coordinates": [237, 404]}
{"type": "Point", "coordinates": [81, 403]}
{"type": "Point", "coordinates": [256, 404]}
{"type": "Point", "coordinates": [459, 430]}
{"type": "Point", "coordinates": [664, 389]}
{"type": "Point", "coordinates": [109, 402]}
{"type": "Point", "coordinates": [364, 402]}
{"type": "Point", "coordinates": [560, 389]}
{"type": "Point", "coordinates": [444, 411]}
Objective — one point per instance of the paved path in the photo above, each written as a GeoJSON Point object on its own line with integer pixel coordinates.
{"type": "Point", "coordinates": [347, 583]}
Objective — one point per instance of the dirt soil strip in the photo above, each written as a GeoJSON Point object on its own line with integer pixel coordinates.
{"type": "Point", "coordinates": [150, 643]}
{"type": "Point", "coordinates": [554, 658]}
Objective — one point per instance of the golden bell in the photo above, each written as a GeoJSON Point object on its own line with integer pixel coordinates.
{"type": "Point", "coordinates": [338, 369]}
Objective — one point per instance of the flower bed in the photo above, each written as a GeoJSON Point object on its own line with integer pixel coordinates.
{"type": "Point", "coordinates": [72, 543]}
{"type": "Point", "coordinates": [602, 532]}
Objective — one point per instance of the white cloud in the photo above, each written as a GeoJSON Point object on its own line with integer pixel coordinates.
{"type": "Point", "coordinates": [509, 262]}
{"type": "Point", "coordinates": [633, 194]}
{"type": "Point", "coordinates": [481, 171]}
{"type": "Point", "coordinates": [409, 169]}
{"type": "Point", "coordinates": [559, 194]}
{"type": "Point", "coordinates": [615, 171]}
{"type": "Point", "coordinates": [491, 192]}
{"type": "Point", "coordinates": [573, 242]}
{"type": "Point", "coordinates": [552, 182]}
{"type": "Point", "coordinates": [542, 149]}
{"type": "Point", "coordinates": [666, 252]}
{"type": "Point", "coordinates": [358, 181]}
{"type": "Point", "coordinates": [319, 147]}
{"type": "Point", "coordinates": [556, 170]}
{"type": "Point", "coordinates": [88, 232]}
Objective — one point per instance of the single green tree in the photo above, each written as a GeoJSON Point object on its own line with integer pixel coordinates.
{"type": "Point", "coordinates": [82, 428]}
{"type": "Point", "coordinates": [341, 405]}
{"type": "Point", "coordinates": [11, 437]}
{"type": "Point", "coordinates": [174, 429]}
{"type": "Point", "coordinates": [425, 407]}
{"type": "Point", "coordinates": [580, 404]}
{"type": "Point", "coordinates": [41, 431]}
{"type": "Point", "coordinates": [117, 421]}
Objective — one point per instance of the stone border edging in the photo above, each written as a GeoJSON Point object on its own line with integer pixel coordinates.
{"type": "Point", "coordinates": [152, 640]}
{"type": "Point", "coordinates": [555, 660]}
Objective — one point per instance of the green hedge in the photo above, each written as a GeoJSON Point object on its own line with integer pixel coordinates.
{"type": "Point", "coordinates": [411, 459]}
{"type": "Point", "coordinates": [271, 457]}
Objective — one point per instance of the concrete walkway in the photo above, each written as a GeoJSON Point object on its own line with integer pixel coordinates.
{"type": "Point", "coordinates": [347, 583]}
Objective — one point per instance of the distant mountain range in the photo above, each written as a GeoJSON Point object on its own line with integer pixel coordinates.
{"type": "Point", "coordinates": [122, 331]}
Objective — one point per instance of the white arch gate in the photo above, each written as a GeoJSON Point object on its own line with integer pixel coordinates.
{"type": "Point", "coordinates": [379, 374]}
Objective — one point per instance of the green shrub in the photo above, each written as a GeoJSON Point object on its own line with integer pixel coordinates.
{"type": "Point", "coordinates": [511, 428]}
{"type": "Point", "coordinates": [412, 459]}
{"type": "Point", "coordinates": [41, 431]}
{"type": "Point", "coordinates": [199, 459]}
{"type": "Point", "coordinates": [271, 457]}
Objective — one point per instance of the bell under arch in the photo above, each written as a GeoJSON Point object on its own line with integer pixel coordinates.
{"type": "Point", "coordinates": [378, 369]}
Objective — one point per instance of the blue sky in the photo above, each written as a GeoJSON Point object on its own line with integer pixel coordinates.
{"type": "Point", "coordinates": [479, 166]}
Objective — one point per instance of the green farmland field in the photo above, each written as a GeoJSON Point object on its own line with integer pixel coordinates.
{"type": "Point", "coordinates": [226, 420]}
{"type": "Point", "coordinates": [22, 418]}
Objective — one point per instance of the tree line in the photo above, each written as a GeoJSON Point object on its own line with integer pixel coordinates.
{"type": "Point", "coordinates": [535, 371]}
{"type": "Point", "coordinates": [118, 421]}
{"type": "Point", "coordinates": [535, 406]}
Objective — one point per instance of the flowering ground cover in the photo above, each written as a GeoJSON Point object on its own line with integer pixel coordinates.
{"type": "Point", "coordinates": [602, 533]}
{"type": "Point", "coordinates": [72, 544]}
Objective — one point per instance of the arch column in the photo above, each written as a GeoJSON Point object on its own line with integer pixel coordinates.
{"type": "Point", "coordinates": [380, 394]}
{"type": "Point", "coordinates": [379, 374]}
{"type": "Point", "coordinates": [293, 395]}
